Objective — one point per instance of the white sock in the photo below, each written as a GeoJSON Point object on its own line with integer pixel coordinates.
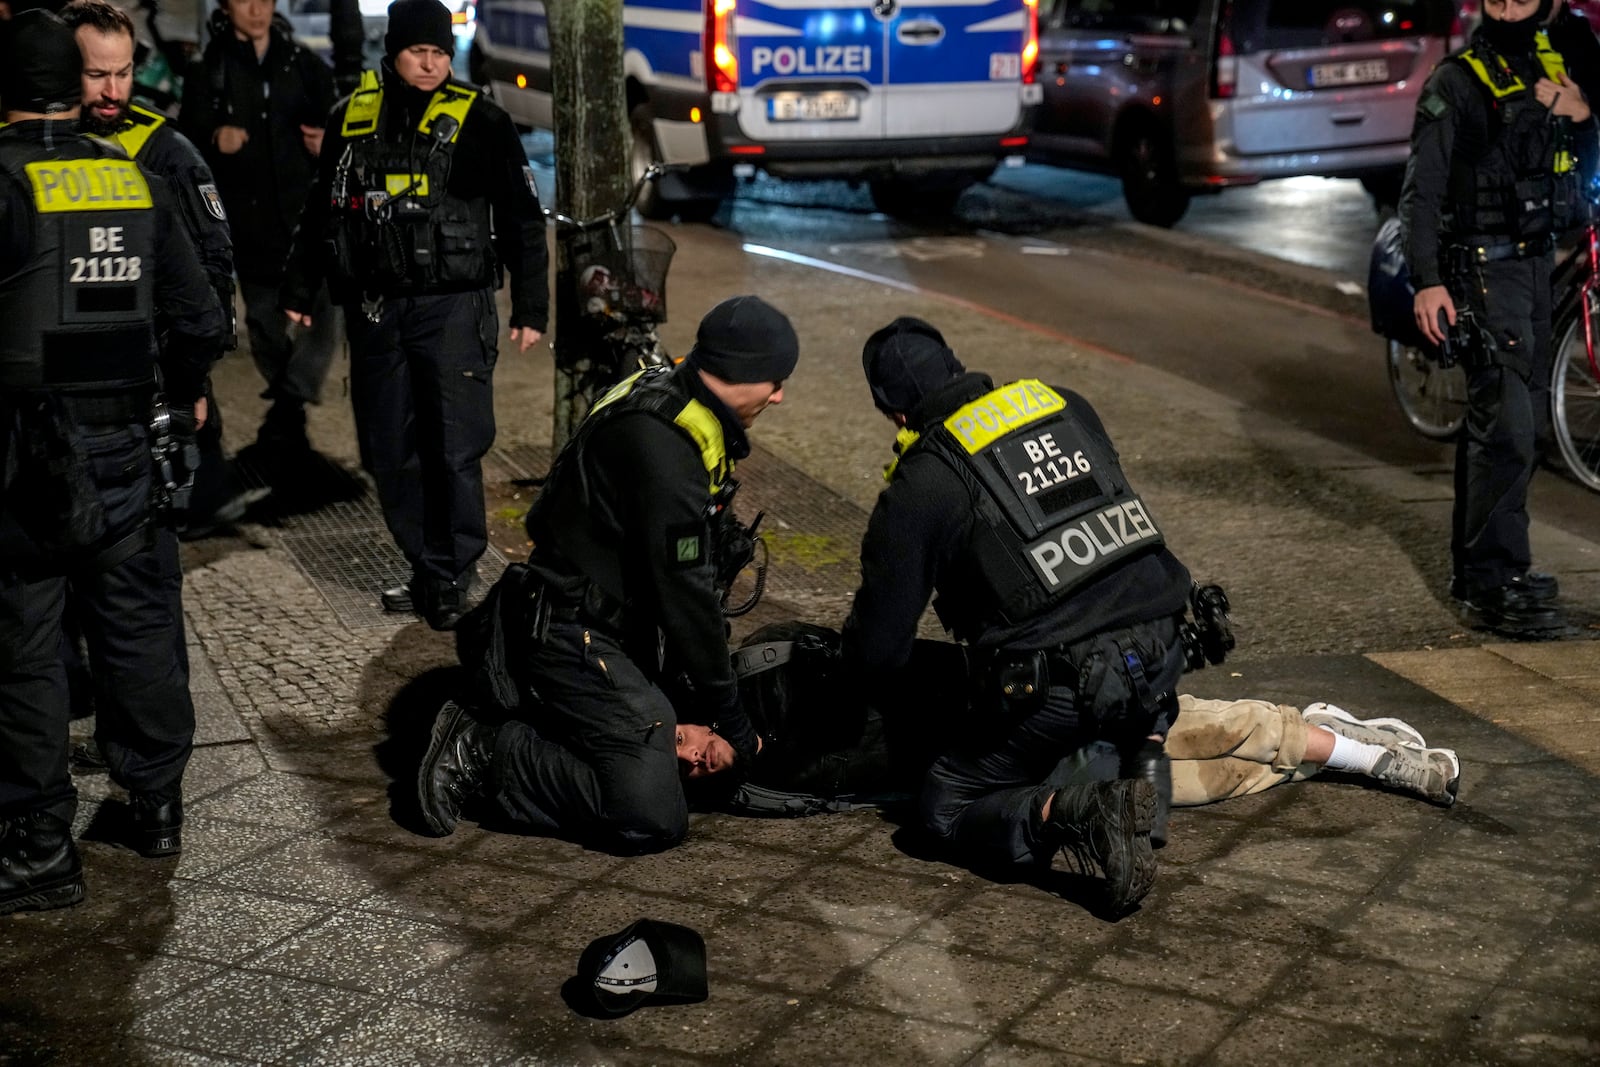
{"type": "Point", "coordinates": [1349, 755]}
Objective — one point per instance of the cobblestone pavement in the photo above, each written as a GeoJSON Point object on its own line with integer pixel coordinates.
{"type": "Point", "coordinates": [306, 921]}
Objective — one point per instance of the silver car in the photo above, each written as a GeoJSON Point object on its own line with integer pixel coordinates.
{"type": "Point", "coordinates": [1178, 97]}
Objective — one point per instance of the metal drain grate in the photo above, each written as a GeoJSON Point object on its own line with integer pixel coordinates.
{"type": "Point", "coordinates": [343, 547]}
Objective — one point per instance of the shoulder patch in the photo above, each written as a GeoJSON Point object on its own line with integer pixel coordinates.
{"type": "Point", "coordinates": [212, 200]}
{"type": "Point", "coordinates": [686, 545]}
{"type": "Point", "coordinates": [1433, 105]}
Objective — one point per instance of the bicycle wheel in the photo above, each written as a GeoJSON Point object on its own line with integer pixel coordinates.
{"type": "Point", "coordinates": [1432, 398]}
{"type": "Point", "coordinates": [1575, 407]}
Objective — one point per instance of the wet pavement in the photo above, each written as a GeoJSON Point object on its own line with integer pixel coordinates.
{"type": "Point", "coordinates": [1326, 922]}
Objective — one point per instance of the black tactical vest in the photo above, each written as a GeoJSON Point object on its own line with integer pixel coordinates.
{"type": "Point", "coordinates": [567, 519]}
{"type": "Point", "coordinates": [395, 225]}
{"type": "Point", "coordinates": [1051, 506]}
{"type": "Point", "coordinates": [77, 315]}
{"type": "Point", "coordinates": [1525, 187]}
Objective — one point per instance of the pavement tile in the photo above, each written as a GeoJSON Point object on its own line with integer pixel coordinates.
{"type": "Point", "coordinates": [1230, 968]}
{"type": "Point", "coordinates": [726, 1024]}
{"type": "Point", "coordinates": [929, 982]}
{"type": "Point", "coordinates": [1556, 963]}
{"type": "Point", "coordinates": [209, 845]}
{"type": "Point", "coordinates": [1497, 887]}
{"type": "Point", "coordinates": [417, 1034]}
{"type": "Point", "coordinates": [887, 904]}
{"type": "Point", "coordinates": [1431, 940]}
{"type": "Point", "coordinates": [834, 1033]}
{"type": "Point", "coordinates": [511, 980]}
{"type": "Point", "coordinates": [810, 836]}
{"type": "Point", "coordinates": [1267, 1038]}
{"type": "Point", "coordinates": [1197, 900]}
{"type": "Point", "coordinates": [1115, 1021]}
{"type": "Point", "coordinates": [1397, 1002]}
{"type": "Point", "coordinates": [721, 873]}
{"type": "Point", "coordinates": [1277, 853]}
{"type": "Point", "coordinates": [591, 910]}
{"type": "Point", "coordinates": [1021, 923]}
{"type": "Point", "coordinates": [206, 922]}
{"type": "Point", "coordinates": [544, 854]}
{"type": "Point", "coordinates": [253, 1016]}
{"type": "Point", "coordinates": [322, 867]}
{"type": "Point", "coordinates": [155, 1054]}
{"type": "Point", "coordinates": [213, 768]}
{"type": "Point", "coordinates": [1011, 1054]}
{"type": "Point", "coordinates": [475, 895]}
{"type": "Point", "coordinates": [803, 957]}
{"type": "Point", "coordinates": [884, 847]}
{"type": "Point", "coordinates": [357, 950]}
{"type": "Point", "coordinates": [376, 822]}
{"type": "Point", "coordinates": [278, 799]}
{"type": "Point", "coordinates": [1526, 1027]}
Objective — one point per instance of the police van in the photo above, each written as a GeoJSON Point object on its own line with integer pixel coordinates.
{"type": "Point", "coordinates": [919, 98]}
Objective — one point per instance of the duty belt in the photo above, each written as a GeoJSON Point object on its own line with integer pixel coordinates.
{"type": "Point", "coordinates": [106, 409]}
{"type": "Point", "coordinates": [1494, 250]}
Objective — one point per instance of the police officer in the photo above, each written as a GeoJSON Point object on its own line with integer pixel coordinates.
{"type": "Point", "coordinates": [1493, 174]}
{"type": "Point", "coordinates": [623, 606]}
{"type": "Point", "coordinates": [92, 251]}
{"type": "Point", "coordinates": [1009, 503]}
{"type": "Point", "coordinates": [106, 37]}
{"type": "Point", "coordinates": [413, 167]}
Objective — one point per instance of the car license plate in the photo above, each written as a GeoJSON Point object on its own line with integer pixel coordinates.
{"type": "Point", "coordinates": [810, 107]}
{"type": "Point", "coordinates": [1361, 72]}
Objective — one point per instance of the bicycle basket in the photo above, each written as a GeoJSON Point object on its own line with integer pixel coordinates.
{"type": "Point", "coordinates": [620, 272]}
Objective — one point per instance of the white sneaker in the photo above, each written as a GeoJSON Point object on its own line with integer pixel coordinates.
{"type": "Point", "coordinates": [1384, 732]}
{"type": "Point", "coordinates": [1431, 773]}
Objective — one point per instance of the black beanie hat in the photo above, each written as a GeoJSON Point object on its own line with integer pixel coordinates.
{"type": "Point", "coordinates": [905, 361]}
{"type": "Point", "coordinates": [41, 69]}
{"type": "Point", "coordinates": [745, 339]}
{"type": "Point", "coordinates": [418, 22]}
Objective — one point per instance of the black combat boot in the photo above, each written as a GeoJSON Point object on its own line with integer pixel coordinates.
{"type": "Point", "coordinates": [157, 825]}
{"type": "Point", "coordinates": [1107, 824]}
{"type": "Point", "coordinates": [398, 599]}
{"type": "Point", "coordinates": [1515, 610]}
{"type": "Point", "coordinates": [1150, 762]}
{"type": "Point", "coordinates": [39, 866]}
{"type": "Point", "coordinates": [456, 767]}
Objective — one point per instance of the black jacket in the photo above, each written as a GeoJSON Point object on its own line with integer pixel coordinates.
{"type": "Point", "coordinates": [173, 158]}
{"type": "Point", "coordinates": [1455, 120]}
{"type": "Point", "coordinates": [916, 542]}
{"type": "Point", "coordinates": [1573, 37]}
{"type": "Point", "coordinates": [263, 184]}
{"type": "Point", "coordinates": [627, 497]}
{"type": "Point", "coordinates": [488, 163]}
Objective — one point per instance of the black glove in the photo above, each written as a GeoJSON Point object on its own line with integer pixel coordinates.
{"type": "Point", "coordinates": [735, 727]}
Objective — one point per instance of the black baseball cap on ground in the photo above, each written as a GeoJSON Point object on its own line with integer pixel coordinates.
{"type": "Point", "coordinates": [649, 962]}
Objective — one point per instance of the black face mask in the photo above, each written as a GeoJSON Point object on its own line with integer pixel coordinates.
{"type": "Point", "coordinates": [1510, 38]}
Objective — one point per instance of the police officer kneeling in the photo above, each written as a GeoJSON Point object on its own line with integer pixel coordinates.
{"type": "Point", "coordinates": [616, 629]}
{"type": "Point", "coordinates": [412, 166]}
{"type": "Point", "coordinates": [1501, 137]}
{"type": "Point", "coordinates": [1009, 503]}
{"type": "Point", "coordinates": [90, 250]}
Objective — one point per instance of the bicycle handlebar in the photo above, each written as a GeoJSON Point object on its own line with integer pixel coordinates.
{"type": "Point", "coordinates": [567, 222]}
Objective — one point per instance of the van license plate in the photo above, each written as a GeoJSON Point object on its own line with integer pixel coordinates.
{"type": "Point", "coordinates": [1363, 72]}
{"type": "Point", "coordinates": [809, 107]}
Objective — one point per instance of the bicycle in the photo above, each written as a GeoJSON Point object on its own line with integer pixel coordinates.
{"type": "Point", "coordinates": [1433, 396]}
{"type": "Point", "coordinates": [618, 293]}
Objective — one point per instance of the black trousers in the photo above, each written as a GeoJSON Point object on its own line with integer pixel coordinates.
{"type": "Point", "coordinates": [421, 379]}
{"type": "Point", "coordinates": [1508, 409]}
{"type": "Point", "coordinates": [293, 360]}
{"type": "Point", "coordinates": [983, 797]}
{"type": "Point", "coordinates": [597, 762]}
{"type": "Point", "coordinates": [131, 622]}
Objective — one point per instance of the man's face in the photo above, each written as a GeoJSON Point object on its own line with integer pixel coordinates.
{"type": "Point", "coordinates": [1510, 10]}
{"type": "Point", "coordinates": [107, 79]}
{"type": "Point", "coordinates": [702, 752]}
{"type": "Point", "coordinates": [423, 66]}
{"type": "Point", "coordinates": [747, 400]}
{"type": "Point", "coordinates": [252, 19]}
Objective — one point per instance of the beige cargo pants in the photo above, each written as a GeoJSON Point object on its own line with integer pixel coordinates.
{"type": "Point", "coordinates": [1231, 748]}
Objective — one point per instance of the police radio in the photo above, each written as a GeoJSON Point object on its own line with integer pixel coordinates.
{"type": "Point", "coordinates": [1209, 638]}
{"type": "Point", "coordinates": [733, 548]}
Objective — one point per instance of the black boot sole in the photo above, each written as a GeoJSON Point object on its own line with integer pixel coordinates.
{"type": "Point", "coordinates": [63, 895]}
{"type": "Point", "coordinates": [1133, 808]}
{"type": "Point", "coordinates": [155, 845]}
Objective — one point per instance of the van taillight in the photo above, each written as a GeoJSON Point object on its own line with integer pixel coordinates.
{"type": "Point", "coordinates": [1030, 44]}
{"type": "Point", "coordinates": [721, 48]}
{"type": "Point", "coordinates": [1225, 73]}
